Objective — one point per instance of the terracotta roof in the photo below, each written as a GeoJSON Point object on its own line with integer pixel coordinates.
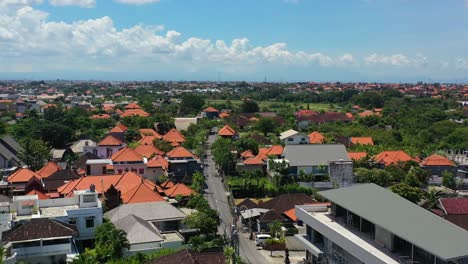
{"type": "Point", "coordinates": [455, 206]}
{"type": "Point", "coordinates": [223, 115]}
{"type": "Point", "coordinates": [148, 140]}
{"type": "Point", "coordinates": [246, 203]}
{"type": "Point", "coordinates": [119, 128]}
{"type": "Point", "coordinates": [39, 228]}
{"type": "Point", "coordinates": [263, 153]}
{"type": "Point", "coordinates": [174, 136]}
{"type": "Point", "coordinates": [48, 169]}
{"type": "Point", "coordinates": [437, 160]}
{"type": "Point", "coordinates": [110, 140]}
{"type": "Point", "coordinates": [132, 106]}
{"type": "Point", "coordinates": [157, 161]}
{"type": "Point", "coordinates": [291, 213]}
{"type": "Point", "coordinates": [149, 132]}
{"type": "Point", "coordinates": [284, 202]}
{"type": "Point", "coordinates": [167, 184]}
{"type": "Point", "coordinates": [126, 154]}
{"type": "Point", "coordinates": [148, 150]}
{"type": "Point", "coordinates": [100, 116]}
{"type": "Point", "coordinates": [366, 113]}
{"type": "Point", "coordinates": [362, 141]}
{"type": "Point", "coordinates": [210, 110]}
{"type": "Point", "coordinates": [357, 155]}
{"type": "Point", "coordinates": [179, 152]}
{"type": "Point", "coordinates": [272, 216]}
{"type": "Point", "coordinates": [22, 175]}
{"type": "Point", "coordinates": [305, 112]}
{"type": "Point", "coordinates": [275, 150]}
{"type": "Point", "coordinates": [141, 193]}
{"type": "Point", "coordinates": [227, 131]}
{"type": "Point", "coordinates": [392, 157]}
{"type": "Point", "coordinates": [179, 189]}
{"type": "Point", "coordinates": [39, 194]}
{"type": "Point", "coordinates": [247, 154]}
{"type": "Point", "coordinates": [350, 115]}
{"type": "Point", "coordinates": [254, 161]}
{"type": "Point", "coordinates": [134, 112]}
{"type": "Point", "coordinates": [316, 138]}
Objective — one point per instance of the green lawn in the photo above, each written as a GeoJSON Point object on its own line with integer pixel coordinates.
{"type": "Point", "coordinates": [268, 104]}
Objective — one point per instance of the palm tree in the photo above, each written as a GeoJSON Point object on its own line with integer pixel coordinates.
{"type": "Point", "coordinates": [110, 241]}
{"type": "Point", "coordinates": [275, 228]}
{"type": "Point", "coordinates": [431, 198]}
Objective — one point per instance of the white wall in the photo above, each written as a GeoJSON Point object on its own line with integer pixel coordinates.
{"type": "Point", "coordinates": [296, 140]}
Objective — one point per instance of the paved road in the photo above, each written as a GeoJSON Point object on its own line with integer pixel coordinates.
{"type": "Point", "coordinates": [216, 194]}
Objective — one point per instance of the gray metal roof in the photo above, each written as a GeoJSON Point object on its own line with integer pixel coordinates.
{"type": "Point", "coordinates": [138, 230]}
{"type": "Point", "coordinates": [403, 218]}
{"type": "Point", "coordinates": [153, 211]}
{"type": "Point", "coordinates": [314, 154]}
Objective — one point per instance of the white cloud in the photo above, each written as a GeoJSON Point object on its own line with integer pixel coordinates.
{"type": "Point", "coordinates": [461, 64]}
{"type": "Point", "coordinates": [19, 2]}
{"type": "Point", "coordinates": [137, 2]}
{"type": "Point", "coordinates": [346, 58]}
{"type": "Point", "coordinates": [80, 3]}
{"type": "Point", "coordinates": [396, 60]}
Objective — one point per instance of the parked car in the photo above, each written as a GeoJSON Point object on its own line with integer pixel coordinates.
{"type": "Point", "coordinates": [260, 239]}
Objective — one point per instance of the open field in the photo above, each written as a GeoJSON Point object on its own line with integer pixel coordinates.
{"type": "Point", "coordinates": [265, 105]}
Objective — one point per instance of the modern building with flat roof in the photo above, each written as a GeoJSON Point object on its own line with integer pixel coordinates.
{"type": "Point", "coordinates": [370, 224]}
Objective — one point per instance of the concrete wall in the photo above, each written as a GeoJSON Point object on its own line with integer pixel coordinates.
{"type": "Point", "coordinates": [154, 174]}
{"type": "Point", "coordinates": [383, 237]}
{"type": "Point", "coordinates": [139, 168]}
{"type": "Point", "coordinates": [296, 140]}
{"type": "Point", "coordinates": [341, 172]}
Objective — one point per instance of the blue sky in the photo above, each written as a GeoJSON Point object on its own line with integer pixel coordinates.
{"type": "Point", "coordinates": [288, 40]}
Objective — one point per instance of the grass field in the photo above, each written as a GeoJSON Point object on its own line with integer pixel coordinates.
{"type": "Point", "coordinates": [265, 105]}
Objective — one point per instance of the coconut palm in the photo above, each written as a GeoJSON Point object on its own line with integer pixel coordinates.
{"type": "Point", "coordinates": [110, 241]}
{"type": "Point", "coordinates": [431, 198]}
{"type": "Point", "coordinates": [275, 228]}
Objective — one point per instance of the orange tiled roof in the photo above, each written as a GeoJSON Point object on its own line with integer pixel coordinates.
{"type": "Point", "coordinates": [110, 140]}
{"type": "Point", "coordinates": [119, 128]}
{"type": "Point", "coordinates": [392, 157]}
{"type": "Point", "coordinates": [100, 116]}
{"type": "Point", "coordinates": [132, 106]}
{"type": "Point", "coordinates": [147, 140]}
{"type": "Point", "coordinates": [275, 150]}
{"type": "Point", "coordinates": [362, 141]}
{"type": "Point", "coordinates": [263, 153]}
{"type": "Point", "coordinates": [126, 154]}
{"type": "Point", "coordinates": [179, 189]}
{"type": "Point", "coordinates": [48, 169]}
{"type": "Point", "coordinates": [437, 160]}
{"type": "Point", "coordinates": [39, 194]}
{"type": "Point", "coordinates": [316, 138]}
{"type": "Point", "coordinates": [141, 193]}
{"type": "Point", "coordinates": [223, 115]}
{"type": "Point", "coordinates": [180, 152]}
{"type": "Point", "coordinates": [357, 155]}
{"type": "Point", "coordinates": [22, 175]}
{"type": "Point", "coordinates": [247, 154]}
{"type": "Point", "coordinates": [350, 115]}
{"type": "Point", "coordinates": [366, 113]}
{"type": "Point", "coordinates": [210, 110]}
{"type": "Point", "coordinates": [134, 112]}
{"type": "Point", "coordinates": [174, 136]}
{"type": "Point", "coordinates": [149, 132]}
{"type": "Point", "coordinates": [227, 131]}
{"type": "Point", "coordinates": [157, 161]}
{"type": "Point", "coordinates": [118, 111]}
{"type": "Point", "coordinates": [148, 151]}
{"type": "Point", "coordinates": [254, 161]}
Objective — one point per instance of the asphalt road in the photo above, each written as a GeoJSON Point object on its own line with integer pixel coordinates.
{"type": "Point", "coordinates": [216, 194]}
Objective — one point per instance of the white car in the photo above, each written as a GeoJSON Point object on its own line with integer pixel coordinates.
{"type": "Point", "coordinates": [261, 238]}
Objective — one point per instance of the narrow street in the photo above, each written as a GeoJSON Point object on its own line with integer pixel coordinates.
{"type": "Point", "coordinates": [217, 197]}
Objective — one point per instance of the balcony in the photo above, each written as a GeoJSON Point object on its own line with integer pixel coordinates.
{"type": "Point", "coordinates": [314, 248]}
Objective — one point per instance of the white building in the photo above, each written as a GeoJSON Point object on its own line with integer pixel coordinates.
{"type": "Point", "coordinates": [293, 137]}
{"type": "Point", "coordinates": [370, 224]}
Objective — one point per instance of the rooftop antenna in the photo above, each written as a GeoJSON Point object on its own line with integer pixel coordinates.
{"type": "Point", "coordinates": [265, 79]}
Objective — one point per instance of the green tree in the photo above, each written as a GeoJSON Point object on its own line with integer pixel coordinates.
{"type": "Point", "coordinates": [449, 180]}
{"type": "Point", "coordinates": [198, 182]}
{"type": "Point", "coordinates": [431, 198]}
{"type": "Point", "coordinates": [421, 175]}
{"type": "Point", "coordinates": [87, 257]}
{"type": "Point", "coordinates": [162, 145]}
{"type": "Point", "coordinates": [249, 106]}
{"type": "Point", "coordinates": [191, 103]}
{"type": "Point", "coordinates": [247, 143]}
{"type": "Point", "coordinates": [275, 228]}
{"type": "Point", "coordinates": [112, 198]}
{"type": "Point", "coordinates": [110, 242]}
{"type": "Point", "coordinates": [34, 153]}
{"type": "Point", "coordinates": [206, 221]}
{"type": "Point", "coordinates": [408, 192]}
{"type": "Point", "coordinates": [132, 135]}
{"type": "Point", "coordinates": [198, 202]}
{"type": "Point", "coordinates": [265, 125]}
{"type": "Point", "coordinates": [222, 154]}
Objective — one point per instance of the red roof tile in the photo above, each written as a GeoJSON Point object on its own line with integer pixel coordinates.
{"type": "Point", "coordinates": [39, 194]}
{"type": "Point", "coordinates": [179, 189]}
{"type": "Point", "coordinates": [100, 116]}
{"type": "Point", "coordinates": [126, 154]}
{"type": "Point", "coordinates": [132, 106]}
{"type": "Point", "coordinates": [437, 160]}
{"type": "Point", "coordinates": [119, 128]}
{"type": "Point", "coordinates": [455, 206]}
{"type": "Point", "coordinates": [134, 112]}
{"type": "Point", "coordinates": [149, 132]}
{"type": "Point", "coordinates": [247, 154]}
{"type": "Point", "coordinates": [141, 193]}
{"type": "Point", "coordinates": [316, 138]}
{"type": "Point", "coordinates": [275, 150]}
{"type": "Point", "coordinates": [110, 140]}
{"type": "Point", "coordinates": [392, 157]}
{"type": "Point", "coordinates": [254, 161]}
{"type": "Point", "coordinates": [174, 137]}
{"type": "Point", "coordinates": [362, 141]}
{"type": "Point", "coordinates": [148, 151]}
{"type": "Point", "coordinates": [227, 131]}
{"type": "Point", "coordinates": [158, 161]}
{"type": "Point", "coordinates": [48, 169]}
{"type": "Point", "coordinates": [223, 115]}
{"type": "Point", "coordinates": [22, 175]}
{"type": "Point", "coordinates": [357, 155]}
{"type": "Point", "coordinates": [210, 110]}
{"type": "Point", "coordinates": [147, 140]}
{"type": "Point", "coordinates": [167, 184]}
{"type": "Point", "coordinates": [179, 152]}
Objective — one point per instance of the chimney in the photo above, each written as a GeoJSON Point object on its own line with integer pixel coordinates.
{"type": "Point", "coordinates": [92, 188]}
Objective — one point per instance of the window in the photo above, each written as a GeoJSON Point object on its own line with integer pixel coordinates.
{"type": "Point", "coordinates": [90, 222]}
{"type": "Point", "coordinates": [109, 152]}
{"type": "Point", "coordinates": [72, 221]}
{"type": "Point", "coordinates": [290, 139]}
{"type": "Point", "coordinates": [141, 171]}
{"type": "Point", "coordinates": [89, 199]}
{"type": "Point", "coordinates": [119, 171]}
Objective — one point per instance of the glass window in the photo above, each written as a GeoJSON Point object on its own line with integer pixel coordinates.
{"type": "Point", "coordinates": [90, 222]}
{"type": "Point", "coordinates": [72, 221]}
{"type": "Point", "coordinates": [89, 199]}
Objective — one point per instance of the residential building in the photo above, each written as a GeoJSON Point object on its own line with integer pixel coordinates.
{"type": "Point", "coordinates": [182, 164]}
{"type": "Point", "coordinates": [370, 224]}
{"type": "Point", "coordinates": [188, 257]}
{"type": "Point", "coordinates": [393, 157]}
{"type": "Point", "coordinates": [454, 210]}
{"type": "Point", "coordinates": [119, 131]}
{"type": "Point", "coordinates": [361, 141]}
{"type": "Point", "coordinates": [293, 137]}
{"type": "Point", "coordinates": [174, 137]}
{"type": "Point", "coordinates": [128, 159]}
{"type": "Point", "coordinates": [210, 113]}
{"type": "Point", "coordinates": [106, 147]}
{"type": "Point", "coordinates": [228, 132]}
{"type": "Point", "coordinates": [316, 138]}
{"type": "Point", "coordinates": [78, 146]}
{"type": "Point", "coordinates": [9, 152]}
{"type": "Point", "coordinates": [436, 164]}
